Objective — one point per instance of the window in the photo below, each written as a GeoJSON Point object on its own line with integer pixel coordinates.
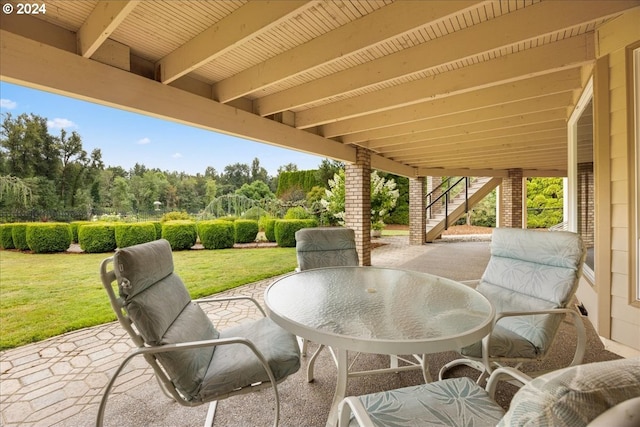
{"type": "Point", "coordinates": [581, 191]}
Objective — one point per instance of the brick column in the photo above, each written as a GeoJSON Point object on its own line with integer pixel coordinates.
{"type": "Point", "coordinates": [358, 202]}
{"type": "Point", "coordinates": [512, 200]}
{"type": "Point", "coordinates": [417, 211]}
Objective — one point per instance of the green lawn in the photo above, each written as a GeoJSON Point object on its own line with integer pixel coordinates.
{"type": "Point", "coordinates": [48, 294]}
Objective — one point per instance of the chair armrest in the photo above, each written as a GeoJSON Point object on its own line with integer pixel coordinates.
{"type": "Point", "coordinates": [353, 405]}
{"type": "Point", "coordinates": [581, 332]}
{"type": "Point", "coordinates": [232, 298]}
{"type": "Point", "coordinates": [501, 374]}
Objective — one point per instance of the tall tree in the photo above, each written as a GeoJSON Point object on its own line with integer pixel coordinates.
{"type": "Point", "coordinates": [74, 162]}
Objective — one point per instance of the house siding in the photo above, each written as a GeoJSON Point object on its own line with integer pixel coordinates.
{"type": "Point", "coordinates": [612, 40]}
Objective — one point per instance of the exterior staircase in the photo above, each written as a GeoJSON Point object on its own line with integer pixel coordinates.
{"type": "Point", "coordinates": [456, 202]}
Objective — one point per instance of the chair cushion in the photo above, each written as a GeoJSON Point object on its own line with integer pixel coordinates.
{"type": "Point", "coordinates": [160, 307]}
{"type": "Point", "coordinates": [574, 396]}
{"type": "Point", "coordinates": [451, 402]}
{"type": "Point", "coordinates": [235, 365]}
{"type": "Point", "coordinates": [532, 270]}
{"type": "Point", "coordinates": [504, 343]}
{"type": "Point", "coordinates": [326, 247]}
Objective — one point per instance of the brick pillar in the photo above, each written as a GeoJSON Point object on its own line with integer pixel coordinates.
{"type": "Point", "coordinates": [434, 187]}
{"type": "Point", "coordinates": [512, 200]}
{"type": "Point", "coordinates": [586, 204]}
{"type": "Point", "coordinates": [358, 202]}
{"type": "Point", "coordinates": [417, 211]}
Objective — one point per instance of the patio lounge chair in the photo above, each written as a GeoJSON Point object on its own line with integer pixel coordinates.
{"type": "Point", "coordinates": [319, 247]}
{"type": "Point", "coordinates": [531, 278]}
{"type": "Point", "coordinates": [590, 394]}
{"type": "Point", "coordinates": [193, 362]}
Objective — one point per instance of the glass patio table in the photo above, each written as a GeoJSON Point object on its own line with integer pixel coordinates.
{"type": "Point", "coordinates": [377, 310]}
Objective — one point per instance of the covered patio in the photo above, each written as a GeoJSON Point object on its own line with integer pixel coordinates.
{"type": "Point", "coordinates": [60, 381]}
{"type": "Point", "coordinates": [425, 90]}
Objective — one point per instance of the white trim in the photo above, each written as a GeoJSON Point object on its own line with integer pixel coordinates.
{"type": "Point", "coordinates": [572, 167]}
{"type": "Point", "coordinates": [636, 75]}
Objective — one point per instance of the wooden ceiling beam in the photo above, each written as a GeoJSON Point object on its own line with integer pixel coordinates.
{"type": "Point", "coordinates": [389, 22]}
{"type": "Point", "coordinates": [525, 132]}
{"type": "Point", "coordinates": [103, 21]}
{"type": "Point", "coordinates": [568, 53]}
{"type": "Point", "coordinates": [471, 121]}
{"type": "Point", "coordinates": [509, 29]}
{"type": "Point", "coordinates": [249, 21]}
{"type": "Point", "coordinates": [562, 81]}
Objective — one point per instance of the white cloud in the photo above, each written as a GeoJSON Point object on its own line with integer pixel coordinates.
{"type": "Point", "coordinates": [59, 123]}
{"type": "Point", "coordinates": [8, 104]}
{"type": "Point", "coordinates": [177, 156]}
{"type": "Point", "coordinates": [144, 140]}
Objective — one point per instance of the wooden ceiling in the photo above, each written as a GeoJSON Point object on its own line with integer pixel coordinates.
{"type": "Point", "coordinates": [430, 87]}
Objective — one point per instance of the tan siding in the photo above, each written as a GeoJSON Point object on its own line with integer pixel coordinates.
{"type": "Point", "coordinates": [619, 216]}
{"type": "Point", "coordinates": [625, 332]}
{"type": "Point", "coordinates": [619, 239]}
{"type": "Point", "coordinates": [612, 40]}
{"type": "Point", "coordinates": [619, 32]}
{"type": "Point", "coordinates": [620, 263]}
{"type": "Point", "coordinates": [619, 284]}
{"type": "Point", "coordinates": [624, 311]}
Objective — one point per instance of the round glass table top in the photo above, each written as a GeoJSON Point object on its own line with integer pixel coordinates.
{"type": "Point", "coordinates": [379, 310]}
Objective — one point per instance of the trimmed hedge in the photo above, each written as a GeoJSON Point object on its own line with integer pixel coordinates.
{"type": "Point", "coordinates": [158, 226]}
{"type": "Point", "coordinates": [297, 212]}
{"type": "Point", "coordinates": [6, 239]}
{"type": "Point", "coordinates": [246, 230]}
{"type": "Point", "coordinates": [129, 234]}
{"type": "Point", "coordinates": [285, 230]}
{"type": "Point", "coordinates": [267, 224]}
{"type": "Point", "coordinates": [216, 234]}
{"type": "Point", "coordinates": [181, 234]}
{"type": "Point", "coordinates": [47, 237]}
{"type": "Point", "coordinates": [19, 236]}
{"type": "Point", "coordinates": [74, 229]}
{"type": "Point", "coordinates": [97, 237]}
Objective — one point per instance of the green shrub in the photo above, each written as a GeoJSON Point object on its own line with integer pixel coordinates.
{"type": "Point", "coordinates": [158, 226]}
{"type": "Point", "coordinates": [176, 216]}
{"type": "Point", "coordinates": [297, 212]}
{"type": "Point", "coordinates": [285, 230]}
{"type": "Point", "coordinates": [254, 213]}
{"type": "Point", "coordinates": [216, 234]}
{"type": "Point", "coordinates": [6, 239]}
{"type": "Point", "coordinates": [19, 236]}
{"type": "Point", "coordinates": [227, 218]}
{"type": "Point", "coordinates": [267, 225]}
{"type": "Point", "coordinates": [97, 237]}
{"type": "Point", "coordinates": [134, 233]}
{"type": "Point", "coordinates": [181, 234]}
{"type": "Point", "coordinates": [246, 230]}
{"type": "Point", "coordinates": [74, 229]}
{"type": "Point", "coordinates": [47, 237]}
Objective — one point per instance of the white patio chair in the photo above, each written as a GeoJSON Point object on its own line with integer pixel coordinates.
{"type": "Point", "coordinates": [320, 247]}
{"type": "Point", "coordinates": [575, 396]}
{"type": "Point", "coordinates": [193, 362]}
{"type": "Point", "coordinates": [531, 278]}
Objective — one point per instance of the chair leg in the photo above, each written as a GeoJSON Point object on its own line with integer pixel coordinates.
{"type": "Point", "coordinates": [467, 362]}
{"type": "Point", "coordinates": [211, 413]}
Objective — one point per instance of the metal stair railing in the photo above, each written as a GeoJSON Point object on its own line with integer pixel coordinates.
{"type": "Point", "coordinates": [446, 194]}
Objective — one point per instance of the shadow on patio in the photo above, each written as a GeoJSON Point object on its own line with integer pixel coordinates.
{"type": "Point", "coordinates": [60, 381]}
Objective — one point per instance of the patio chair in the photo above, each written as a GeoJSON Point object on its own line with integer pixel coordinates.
{"type": "Point", "coordinates": [193, 362]}
{"type": "Point", "coordinates": [575, 396]}
{"type": "Point", "coordinates": [531, 278]}
{"type": "Point", "coordinates": [319, 247]}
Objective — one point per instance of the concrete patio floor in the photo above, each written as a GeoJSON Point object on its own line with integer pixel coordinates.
{"type": "Point", "coordinates": [59, 381]}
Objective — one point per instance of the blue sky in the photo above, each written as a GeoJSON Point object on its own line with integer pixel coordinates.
{"type": "Point", "coordinates": [126, 138]}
